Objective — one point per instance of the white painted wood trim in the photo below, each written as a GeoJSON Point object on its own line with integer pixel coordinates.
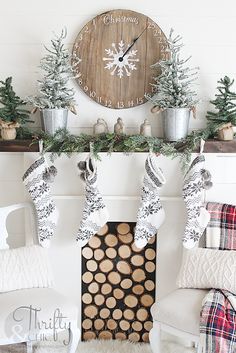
{"type": "Point", "coordinates": [176, 332]}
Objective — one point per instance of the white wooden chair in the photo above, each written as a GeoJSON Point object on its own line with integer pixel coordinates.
{"type": "Point", "coordinates": [47, 299]}
{"type": "Point", "coordinates": [176, 311]}
{"type": "Point", "coordinates": [177, 314]}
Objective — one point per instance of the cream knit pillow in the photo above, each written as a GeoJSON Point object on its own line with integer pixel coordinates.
{"type": "Point", "coordinates": [26, 267]}
{"type": "Point", "coordinates": [207, 268]}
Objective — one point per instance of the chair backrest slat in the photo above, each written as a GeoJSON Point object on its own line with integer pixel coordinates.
{"type": "Point", "coordinates": [30, 237]}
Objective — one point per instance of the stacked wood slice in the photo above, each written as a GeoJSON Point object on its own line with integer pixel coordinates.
{"type": "Point", "coordinates": [118, 285]}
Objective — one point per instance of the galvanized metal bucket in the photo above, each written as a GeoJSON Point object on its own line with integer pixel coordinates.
{"type": "Point", "coordinates": [175, 123]}
{"type": "Point", "coordinates": [54, 119]}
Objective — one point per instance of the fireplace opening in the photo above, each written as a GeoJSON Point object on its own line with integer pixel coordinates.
{"type": "Point", "coordinates": [118, 285]}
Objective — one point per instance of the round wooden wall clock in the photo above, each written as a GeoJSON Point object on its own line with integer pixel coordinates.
{"type": "Point", "coordinates": [115, 51]}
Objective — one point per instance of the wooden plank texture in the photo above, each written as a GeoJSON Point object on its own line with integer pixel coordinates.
{"type": "Point", "coordinates": [214, 146]}
{"type": "Point", "coordinates": [18, 146]}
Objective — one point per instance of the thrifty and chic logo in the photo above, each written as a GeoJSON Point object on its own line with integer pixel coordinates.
{"type": "Point", "coordinates": [25, 324]}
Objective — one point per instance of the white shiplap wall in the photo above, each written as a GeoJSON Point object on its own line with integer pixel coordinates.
{"type": "Point", "coordinates": [208, 29]}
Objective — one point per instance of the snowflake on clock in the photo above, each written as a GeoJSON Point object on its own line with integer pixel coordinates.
{"type": "Point", "coordinates": [119, 63]}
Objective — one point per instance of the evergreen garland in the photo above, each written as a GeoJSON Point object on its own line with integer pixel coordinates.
{"type": "Point", "coordinates": [173, 86]}
{"type": "Point", "coordinates": [64, 142]}
{"type": "Point", "coordinates": [225, 103]}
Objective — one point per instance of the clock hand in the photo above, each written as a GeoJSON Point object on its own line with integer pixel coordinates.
{"type": "Point", "coordinates": [131, 46]}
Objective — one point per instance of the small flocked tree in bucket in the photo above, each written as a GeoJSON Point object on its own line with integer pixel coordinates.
{"type": "Point", "coordinates": [174, 95]}
{"type": "Point", "coordinates": [55, 97]}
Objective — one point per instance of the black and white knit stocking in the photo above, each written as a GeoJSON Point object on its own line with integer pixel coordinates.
{"type": "Point", "coordinates": [36, 180]}
{"type": "Point", "coordinates": [151, 214]}
{"type": "Point", "coordinates": [196, 180]}
{"type": "Point", "coordinates": [95, 214]}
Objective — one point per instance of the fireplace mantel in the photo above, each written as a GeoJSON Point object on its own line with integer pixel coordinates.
{"type": "Point", "coordinates": [211, 146]}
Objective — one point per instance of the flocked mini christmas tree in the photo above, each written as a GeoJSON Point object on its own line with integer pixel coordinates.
{"type": "Point", "coordinates": [225, 104]}
{"type": "Point", "coordinates": [173, 86]}
{"type": "Point", "coordinates": [54, 91]}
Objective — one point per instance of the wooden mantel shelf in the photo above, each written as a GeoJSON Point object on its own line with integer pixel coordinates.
{"type": "Point", "coordinates": [214, 146]}
{"type": "Point", "coordinates": [18, 146]}
{"type": "Point", "coordinates": [211, 146]}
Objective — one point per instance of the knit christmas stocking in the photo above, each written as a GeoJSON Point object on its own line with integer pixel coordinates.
{"type": "Point", "coordinates": [36, 180]}
{"type": "Point", "coordinates": [151, 213]}
{"type": "Point", "coordinates": [95, 214]}
{"type": "Point", "coordinates": [196, 180]}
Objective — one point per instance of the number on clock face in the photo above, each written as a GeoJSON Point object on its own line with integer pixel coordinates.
{"type": "Point", "coordinates": [116, 51]}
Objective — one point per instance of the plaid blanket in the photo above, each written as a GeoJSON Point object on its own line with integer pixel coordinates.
{"type": "Point", "coordinates": [218, 315]}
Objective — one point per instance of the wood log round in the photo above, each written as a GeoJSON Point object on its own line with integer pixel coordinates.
{"type": "Point", "coordinates": [111, 240]}
{"type": "Point", "coordinates": [124, 251]}
{"type": "Point", "coordinates": [111, 324]}
{"type": "Point", "coordinates": [93, 287]}
{"type": "Point", "coordinates": [111, 253]}
{"type": "Point", "coordinates": [99, 254]}
{"type": "Point", "coordinates": [152, 240]}
{"type": "Point", "coordinates": [87, 277]}
{"type": "Point", "coordinates": [150, 266]}
{"type": "Point", "coordinates": [126, 283]}
{"type": "Point", "coordinates": [99, 324]}
{"type": "Point", "coordinates": [129, 314]}
{"type": "Point", "coordinates": [135, 249]}
{"type": "Point", "coordinates": [94, 242]}
{"type": "Point", "coordinates": [123, 267]}
{"type": "Point", "coordinates": [138, 289]}
{"type": "Point", "coordinates": [148, 325]}
{"type": "Point", "coordinates": [120, 336]}
{"type": "Point", "coordinates": [123, 228]}
{"type": "Point", "coordinates": [149, 285]}
{"type": "Point", "coordinates": [87, 253]}
{"type": "Point", "coordinates": [124, 325]}
{"type": "Point", "coordinates": [145, 337]}
{"type": "Point", "coordinates": [89, 335]}
{"type": "Point", "coordinates": [134, 337]}
{"type": "Point", "coordinates": [104, 313]}
{"type": "Point", "coordinates": [137, 260]}
{"type": "Point", "coordinates": [105, 335]}
{"type": "Point", "coordinates": [114, 277]}
{"type": "Point", "coordinates": [111, 302]}
{"type": "Point", "coordinates": [91, 265]}
{"type": "Point", "coordinates": [91, 311]}
{"type": "Point", "coordinates": [103, 230]}
{"type": "Point", "coordinates": [117, 314]}
{"type": "Point", "coordinates": [100, 277]}
{"type": "Point", "coordinates": [87, 324]}
{"type": "Point", "coordinates": [150, 254]}
{"type": "Point", "coordinates": [138, 275]}
{"type": "Point", "coordinates": [118, 293]}
{"type": "Point", "coordinates": [106, 288]}
{"type": "Point", "coordinates": [106, 265]}
{"type": "Point", "coordinates": [137, 326]}
{"type": "Point", "coordinates": [147, 300]}
{"type": "Point", "coordinates": [126, 239]}
{"type": "Point", "coordinates": [131, 301]}
{"type": "Point", "coordinates": [142, 314]}
{"type": "Point", "coordinates": [99, 299]}
{"type": "Point", "coordinates": [87, 298]}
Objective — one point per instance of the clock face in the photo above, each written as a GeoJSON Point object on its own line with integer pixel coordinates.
{"type": "Point", "coordinates": [115, 51]}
